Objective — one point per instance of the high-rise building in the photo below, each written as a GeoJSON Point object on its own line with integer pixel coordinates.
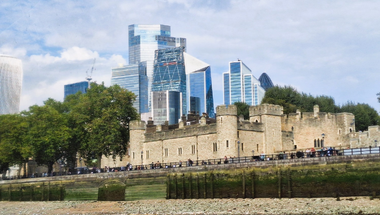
{"type": "Point", "coordinates": [169, 72]}
{"type": "Point", "coordinates": [144, 40]}
{"type": "Point", "coordinates": [175, 70]}
{"type": "Point", "coordinates": [198, 86]}
{"type": "Point", "coordinates": [11, 74]}
{"type": "Point", "coordinates": [265, 81]}
{"type": "Point", "coordinates": [75, 87]}
{"type": "Point", "coordinates": [133, 78]}
{"type": "Point", "coordinates": [166, 106]}
{"type": "Point", "coordinates": [241, 86]}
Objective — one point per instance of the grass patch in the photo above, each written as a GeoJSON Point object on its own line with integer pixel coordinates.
{"type": "Point", "coordinates": [141, 192]}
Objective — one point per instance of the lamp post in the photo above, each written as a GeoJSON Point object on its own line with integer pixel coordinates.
{"type": "Point", "coordinates": [375, 143]}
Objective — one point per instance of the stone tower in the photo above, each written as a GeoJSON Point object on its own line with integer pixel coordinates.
{"type": "Point", "coordinates": [136, 140]}
{"type": "Point", "coordinates": [270, 116]}
{"type": "Point", "coordinates": [226, 127]}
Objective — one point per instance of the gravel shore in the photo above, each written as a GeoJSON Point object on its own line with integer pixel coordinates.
{"type": "Point", "coordinates": [353, 205]}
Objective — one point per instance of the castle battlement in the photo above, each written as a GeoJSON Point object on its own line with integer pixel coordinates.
{"type": "Point", "coordinates": [223, 110]}
{"type": "Point", "coordinates": [187, 131]}
{"type": "Point", "coordinates": [265, 109]}
{"type": "Point", "coordinates": [137, 125]}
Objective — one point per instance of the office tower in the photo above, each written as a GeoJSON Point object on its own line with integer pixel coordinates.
{"type": "Point", "coordinates": [241, 86]}
{"type": "Point", "coordinates": [175, 70]}
{"type": "Point", "coordinates": [144, 40]}
{"type": "Point", "coordinates": [133, 78]}
{"type": "Point", "coordinates": [166, 106]}
{"type": "Point", "coordinates": [169, 72]}
{"type": "Point", "coordinates": [11, 74]}
{"type": "Point", "coordinates": [75, 87]}
{"type": "Point", "coordinates": [265, 81]}
{"type": "Point", "coordinates": [198, 86]}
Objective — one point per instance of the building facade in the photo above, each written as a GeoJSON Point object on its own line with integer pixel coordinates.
{"type": "Point", "coordinates": [70, 89]}
{"type": "Point", "coordinates": [166, 106]}
{"type": "Point", "coordinates": [134, 78]}
{"type": "Point", "coordinates": [239, 85]}
{"type": "Point", "coordinates": [144, 40]}
{"type": "Point", "coordinates": [267, 131]}
{"type": "Point", "coordinates": [11, 74]}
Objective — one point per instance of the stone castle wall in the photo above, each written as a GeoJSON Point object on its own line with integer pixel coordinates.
{"type": "Point", "coordinates": [366, 138]}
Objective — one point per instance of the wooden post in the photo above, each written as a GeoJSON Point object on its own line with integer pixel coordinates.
{"type": "Point", "coordinates": [48, 194]}
{"type": "Point", "coordinates": [205, 187]}
{"type": "Point", "coordinates": [183, 186]}
{"type": "Point", "coordinates": [289, 184]}
{"type": "Point", "coordinates": [253, 184]}
{"type": "Point", "coordinates": [198, 190]}
{"type": "Point", "coordinates": [32, 193]}
{"type": "Point", "coordinates": [243, 181]}
{"type": "Point", "coordinates": [189, 179]}
{"type": "Point", "coordinates": [168, 187]}
{"type": "Point", "coordinates": [10, 192]}
{"type": "Point", "coordinates": [212, 184]}
{"type": "Point", "coordinates": [176, 185]}
{"type": "Point", "coordinates": [279, 183]}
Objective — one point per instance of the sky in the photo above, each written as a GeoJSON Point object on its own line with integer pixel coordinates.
{"type": "Point", "coordinates": [319, 47]}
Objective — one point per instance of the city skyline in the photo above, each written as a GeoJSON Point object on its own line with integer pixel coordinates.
{"type": "Point", "coordinates": [325, 48]}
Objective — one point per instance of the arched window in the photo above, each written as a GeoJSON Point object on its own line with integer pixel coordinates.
{"type": "Point", "coordinates": [322, 143]}
{"type": "Point", "coordinates": [292, 128]}
{"type": "Point", "coordinates": [318, 143]}
{"type": "Point", "coordinates": [315, 143]}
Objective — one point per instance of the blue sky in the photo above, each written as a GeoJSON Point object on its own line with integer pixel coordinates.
{"type": "Point", "coordinates": [319, 47]}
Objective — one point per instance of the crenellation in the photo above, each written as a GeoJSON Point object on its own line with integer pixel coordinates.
{"type": "Point", "coordinates": [137, 125]}
{"type": "Point", "coordinates": [224, 110]}
{"type": "Point", "coordinates": [248, 126]}
{"type": "Point", "coordinates": [267, 109]}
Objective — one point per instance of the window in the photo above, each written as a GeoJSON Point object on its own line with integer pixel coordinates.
{"type": "Point", "coordinates": [166, 152]}
{"type": "Point", "coordinates": [295, 146]}
{"type": "Point", "coordinates": [242, 146]}
{"type": "Point", "coordinates": [147, 154]}
{"type": "Point", "coordinates": [179, 151]}
{"type": "Point", "coordinates": [227, 144]}
{"type": "Point", "coordinates": [322, 143]}
{"type": "Point", "coordinates": [318, 143]}
{"type": "Point", "coordinates": [133, 155]}
{"type": "Point", "coordinates": [214, 147]}
{"type": "Point", "coordinates": [237, 134]}
{"type": "Point", "coordinates": [315, 143]}
{"type": "Point", "coordinates": [193, 149]}
{"type": "Point", "coordinates": [257, 149]}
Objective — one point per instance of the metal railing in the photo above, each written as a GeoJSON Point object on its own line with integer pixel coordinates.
{"type": "Point", "coordinates": [331, 152]}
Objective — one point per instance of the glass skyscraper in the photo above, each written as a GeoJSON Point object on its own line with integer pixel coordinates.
{"type": "Point", "coordinates": [265, 81]}
{"type": "Point", "coordinates": [175, 70]}
{"type": "Point", "coordinates": [169, 72]}
{"type": "Point", "coordinates": [76, 87]}
{"type": "Point", "coordinates": [133, 78]}
{"type": "Point", "coordinates": [11, 74]}
{"type": "Point", "coordinates": [144, 40]}
{"type": "Point", "coordinates": [166, 106]}
{"type": "Point", "coordinates": [198, 86]}
{"type": "Point", "coordinates": [241, 86]}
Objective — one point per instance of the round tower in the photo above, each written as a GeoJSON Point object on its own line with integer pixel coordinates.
{"type": "Point", "coordinates": [226, 127]}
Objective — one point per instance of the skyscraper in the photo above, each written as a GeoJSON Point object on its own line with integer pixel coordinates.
{"type": "Point", "coordinates": [133, 78]}
{"type": "Point", "coordinates": [144, 40]}
{"type": "Point", "coordinates": [241, 86]}
{"type": "Point", "coordinates": [75, 87]}
{"type": "Point", "coordinates": [198, 86]}
{"type": "Point", "coordinates": [265, 81]}
{"type": "Point", "coordinates": [166, 106]}
{"type": "Point", "coordinates": [175, 70]}
{"type": "Point", "coordinates": [11, 74]}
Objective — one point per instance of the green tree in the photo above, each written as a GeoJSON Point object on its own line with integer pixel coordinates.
{"type": "Point", "coordinates": [101, 119]}
{"type": "Point", "coordinates": [48, 134]}
{"type": "Point", "coordinates": [365, 115]}
{"type": "Point", "coordinates": [242, 109]}
{"type": "Point", "coordinates": [287, 96]}
{"type": "Point", "coordinates": [13, 150]}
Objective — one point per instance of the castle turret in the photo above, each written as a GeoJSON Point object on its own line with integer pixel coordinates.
{"type": "Point", "coordinates": [226, 122]}
{"type": "Point", "coordinates": [270, 116]}
{"type": "Point", "coordinates": [136, 140]}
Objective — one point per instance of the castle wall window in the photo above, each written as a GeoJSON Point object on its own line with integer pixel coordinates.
{"type": "Point", "coordinates": [237, 134]}
{"type": "Point", "coordinates": [166, 152]}
{"type": "Point", "coordinates": [193, 149]}
{"type": "Point", "coordinates": [242, 146]}
{"type": "Point", "coordinates": [133, 155]}
{"type": "Point", "coordinates": [257, 149]}
{"type": "Point", "coordinates": [319, 143]}
{"type": "Point", "coordinates": [315, 143]}
{"type": "Point", "coordinates": [227, 145]}
{"type": "Point", "coordinates": [179, 151]}
{"type": "Point", "coordinates": [147, 154]}
{"type": "Point", "coordinates": [214, 147]}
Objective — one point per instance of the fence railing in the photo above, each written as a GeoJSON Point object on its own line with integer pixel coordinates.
{"type": "Point", "coordinates": [220, 161]}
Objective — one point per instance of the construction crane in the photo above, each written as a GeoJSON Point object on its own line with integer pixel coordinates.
{"type": "Point", "coordinates": [89, 78]}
